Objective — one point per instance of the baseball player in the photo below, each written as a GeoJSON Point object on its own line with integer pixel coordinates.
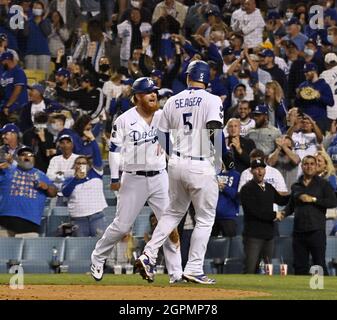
{"type": "Point", "coordinates": [134, 145]}
{"type": "Point", "coordinates": [189, 115]}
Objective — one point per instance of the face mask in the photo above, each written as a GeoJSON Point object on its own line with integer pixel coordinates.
{"type": "Point", "coordinates": [309, 52]}
{"type": "Point", "coordinates": [40, 126]}
{"type": "Point", "coordinates": [135, 4]}
{"type": "Point", "coordinates": [104, 67]}
{"type": "Point", "coordinates": [56, 126]}
{"type": "Point", "coordinates": [330, 38]}
{"type": "Point", "coordinates": [25, 165]}
{"type": "Point", "coordinates": [37, 12]}
{"type": "Point", "coordinates": [289, 15]}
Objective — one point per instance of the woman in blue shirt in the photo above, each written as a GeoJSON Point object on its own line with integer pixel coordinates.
{"type": "Point", "coordinates": [37, 30]}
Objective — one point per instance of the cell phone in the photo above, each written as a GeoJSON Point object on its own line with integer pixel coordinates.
{"type": "Point", "coordinates": [69, 60]}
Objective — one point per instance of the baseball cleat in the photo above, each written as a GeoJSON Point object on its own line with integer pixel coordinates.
{"type": "Point", "coordinates": [175, 281]}
{"type": "Point", "coordinates": [202, 278]}
{"type": "Point", "coordinates": [97, 272]}
{"type": "Point", "coordinates": [146, 269]}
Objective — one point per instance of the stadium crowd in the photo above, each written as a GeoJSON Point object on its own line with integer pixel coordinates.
{"type": "Point", "coordinates": [67, 74]}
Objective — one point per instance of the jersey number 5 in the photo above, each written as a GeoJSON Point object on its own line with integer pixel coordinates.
{"type": "Point", "coordinates": [187, 124]}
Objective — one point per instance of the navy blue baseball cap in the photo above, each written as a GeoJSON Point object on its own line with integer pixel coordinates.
{"type": "Point", "coordinates": [3, 36]}
{"type": "Point", "coordinates": [257, 163]}
{"type": "Point", "coordinates": [63, 72]}
{"type": "Point", "coordinates": [212, 13]}
{"type": "Point", "coordinates": [267, 53]}
{"type": "Point", "coordinates": [261, 109]}
{"type": "Point", "coordinates": [293, 20]}
{"type": "Point", "coordinates": [65, 136]}
{"type": "Point", "coordinates": [273, 15]}
{"type": "Point", "coordinates": [25, 149]}
{"type": "Point", "coordinates": [227, 51]}
{"type": "Point", "coordinates": [144, 85]}
{"type": "Point", "coordinates": [156, 73]}
{"type": "Point", "coordinates": [6, 55]}
{"type": "Point", "coordinates": [38, 87]}
{"type": "Point", "coordinates": [9, 127]}
{"type": "Point", "coordinates": [310, 67]}
{"type": "Point", "coordinates": [128, 81]}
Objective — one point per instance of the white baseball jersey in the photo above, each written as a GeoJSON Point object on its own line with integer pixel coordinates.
{"type": "Point", "coordinates": [134, 144]}
{"type": "Point", "coordinates": [185, 116]}
{"type": "Point", "coordinates": [273, 176]}
{"type": "Point", "coordinates": [330, 77]}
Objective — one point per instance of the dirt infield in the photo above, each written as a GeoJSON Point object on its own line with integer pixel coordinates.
{"type": "Point", "coordinates": [94, 292]}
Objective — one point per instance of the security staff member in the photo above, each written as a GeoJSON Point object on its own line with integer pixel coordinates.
{"type": "Point", "coordinates": [311, 195]}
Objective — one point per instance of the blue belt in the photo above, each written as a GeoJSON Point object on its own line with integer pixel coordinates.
{"type": "Point", "coordinates": [177, 153]}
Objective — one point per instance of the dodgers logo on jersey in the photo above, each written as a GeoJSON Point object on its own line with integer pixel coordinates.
{"type": "Point", "coordinates": [138, 138]}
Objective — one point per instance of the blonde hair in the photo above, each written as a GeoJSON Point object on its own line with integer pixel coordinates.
{"type": "Point", "coordinates": [330, 169]}
{"type": "Point", "coordinates": [278, 91]}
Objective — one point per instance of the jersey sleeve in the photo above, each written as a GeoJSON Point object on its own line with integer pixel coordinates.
{"type": "Point", "coordinates": [20, 78]}
{"type": "Point", "coordinates": [164, 124]}
{"type": "Point", "coordinates": [214, 110]}
{"type": "Point", "coordinates": [116, 142]}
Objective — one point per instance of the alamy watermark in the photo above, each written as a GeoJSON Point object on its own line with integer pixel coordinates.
{"type": "Point", "coordinates": [317, 279]}
{"type": "Point", "coordinates": [17, 280]}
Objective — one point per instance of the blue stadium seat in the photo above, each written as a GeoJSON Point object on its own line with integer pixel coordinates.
{"type": "Point", "coordinates": [236, 256]}
{"type": "Point", "coordinates": [54, 222]}
{"type": "Point", "coordinates": [286, 227]}
{"type": "Point", "coordinates": [10, 249]}
{"type": "Point", "coordinates": [37, 254]}
{"type": "Point", "coordinates": [78, 254]}
{"type": "Point", "coordinates": [217, 251]}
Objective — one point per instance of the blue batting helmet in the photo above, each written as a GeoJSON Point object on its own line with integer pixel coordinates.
{"type": "Point", "coordinates": [198, 70]}
{"type": "Point", "coordinates": [144, 85]}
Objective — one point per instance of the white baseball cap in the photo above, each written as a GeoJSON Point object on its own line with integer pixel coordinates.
{"type": "Point", "coordinates": [330, 57]}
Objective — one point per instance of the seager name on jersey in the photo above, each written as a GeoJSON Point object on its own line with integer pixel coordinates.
{"type": "Point", "coordinates": [188, 102]}
{"type": "Point", "coordinates": [142, 137]}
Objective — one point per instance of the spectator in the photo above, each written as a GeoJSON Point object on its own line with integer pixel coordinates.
{"type": "Point", "coordinates": [61, 167]}
{"type": "Point", "coordinates": [36, 104]}
{"type": "Point", "coordinates": [90, 98]}
{"type": "Point", "coordinates": [251, 25]}
{"type": "Point", "coordinates": [332, 39]}
{"type": "Point", "coordinates": [24, 190]}
{"type": "Point", "coordinates": [59, 124]}
{"type": "Point", "coordinates": [257, 199]}
{"type": "Point", "coordinates": [170, 7]}
{"type": "Point", "coordinates": [227, 209]}
{"type": "Point", "coordinates": [246, 122]}
{"type": "Point", "coordinates": [70, 12]}
{"type": "Point", "coordinates": [37, 30]}
{"type": "Point", "coordinates": [216, 86]}
{"type": "Point", "coordinates": [294, 34]}
{"type": "Point", "coordinates": [310, 197]}
{"type": "Point", "coordinates": [329, 76]}
{"type": "Point", "coordinates": [14, 84]}
{"type": "Point", "coordinates": [326, 169]}
{"type": "Point", "coordinates": [238, 96]}
{"type": "Point", "coordinates": [144, 11]}
{"type": "Point", "coordinates": [241, 147]}
{"type": "Point", "coordinates": [112, 88]}
{"type": "Point", "coordinates": [275, 26]}
{"type": "Point", "coordinates": [277, 110]}
{"type": "Point", "coordinates": [285, 160]}
{"type": "Point", "coordinates": [267, 62]}
{"type": "Point", "coordinates": [272, 176]}
{"type": "Point", "coordinates": [95, 44]}
{"type": "Point", "coordinates": [59, 34]}
{"type": "Point", "coordinates": [131, 33]}
{"type": "Point", "coordinates": [11, 141]}
{"type": "Point", "coordinates": [4, 46]}
{"type": "Point", "coordinates": [264, 134]}
{"type": "Point", "coordinates": [312, 54]}
{"type": "Point", "coordinates": [40, 140]}
{"type": "Point", "coordinates": [228, 58]}
{"type": "Point", "coordinates": [85, 192]}
{"type": "Point", "coordinates": [263, 76]}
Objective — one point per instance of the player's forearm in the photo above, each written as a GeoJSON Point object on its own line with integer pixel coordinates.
{"type": "Point", "coordinates": [114, 163]}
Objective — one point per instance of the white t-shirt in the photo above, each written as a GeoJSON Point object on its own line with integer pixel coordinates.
{"type": "Point", "coordinates": [185, 116]}
{"type": "Point", "coordinates": [272, 176]}
{"type": "Point", "coordinates": [108, 88]}
{"type": "Point", "coordinates": [134, 144]}
{"type": "Point", "coordinates": [330, 77]}
{"type": "Point", "coordinates": [305, 143]}
{"type": "Point", "coordinates": [39, 107]}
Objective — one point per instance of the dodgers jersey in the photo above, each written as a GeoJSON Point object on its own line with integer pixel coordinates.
{"type": "Point", "coordinates": [134, 144]}
{"type": "Point", "coordinates": [185, 116]}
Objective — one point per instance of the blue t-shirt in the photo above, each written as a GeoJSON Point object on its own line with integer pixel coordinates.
{"type": "Point", "coordinates": [10, 79]}
{"type": "Point", "coordinates": [19, 196]}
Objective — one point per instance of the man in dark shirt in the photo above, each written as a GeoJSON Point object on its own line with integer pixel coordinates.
{"type": "Point", "coordinates": [310, 197]}
{"type": "Point", "coordinates": [257, 199]}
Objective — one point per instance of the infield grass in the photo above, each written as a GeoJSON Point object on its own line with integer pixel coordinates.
{"type": "Point", "coordinates": [279, 288]}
